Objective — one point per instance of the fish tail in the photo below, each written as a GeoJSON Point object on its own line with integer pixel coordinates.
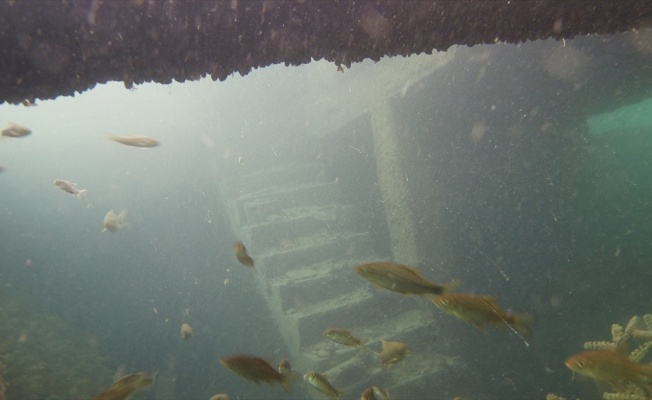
{"type": "Point", "coordinates": [286, 383]}
{"type": "Point", "coordinates": [122, 218]}
{"type": "Point", "coordinates": [453, 285]}
{"type": "Point", "coordinates": [81, 194]}
{"type": "Point", "coordinates": [520, 322]}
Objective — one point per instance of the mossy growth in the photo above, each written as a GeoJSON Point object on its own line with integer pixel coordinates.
{"type": "Point", "coordinates": [45, 358]}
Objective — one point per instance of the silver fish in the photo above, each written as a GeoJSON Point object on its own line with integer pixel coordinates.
{"type": "Point", "coordinates": [136, 140]}
{"type": "Point", "coordinates": [70, 187]}
{"type": "Point", "coordinates": [114, 222]}
{"type": "Point", "coordinates": [14, 130]}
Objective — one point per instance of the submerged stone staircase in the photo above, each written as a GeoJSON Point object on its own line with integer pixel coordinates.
{"type": "Point", "coordinates": [299, 231]}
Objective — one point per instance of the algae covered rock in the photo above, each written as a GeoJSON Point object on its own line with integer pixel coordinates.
{"type": "Point", "coordinates": [45, 358]}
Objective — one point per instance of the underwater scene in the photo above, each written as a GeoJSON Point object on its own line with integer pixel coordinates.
{"type": "Point", "coordinates": [471, 224]}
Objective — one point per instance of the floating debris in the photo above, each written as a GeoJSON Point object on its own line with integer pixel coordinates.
{"type": "Point", "coordinates": [114, 222]}
{"type": "Point", "coordinates": [126, 386]}
{"type": "Point", "coordinates": [241, 254]}
{"type": "Point", "coordinates": [14, 130]}
{"type": "Point", "coordinates": [400, 278]}
{"type": "Point", "coordinates": [186, 331]}
{"type": "Point", "coordinates": [393, 353]}
{"type": "Point", "coordinates": [70, 187]}
{"type": "Point", "coordinates": [255, 369]}
{"type": "Point", "coordinates": [136, 140]}
{"type": "Point", "coordinates": [322, 384]}
{"type": "Point", "coordinates": [481, 311]}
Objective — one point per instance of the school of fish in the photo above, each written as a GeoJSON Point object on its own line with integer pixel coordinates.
{"type": "Point", "coordinates": [478, 310]}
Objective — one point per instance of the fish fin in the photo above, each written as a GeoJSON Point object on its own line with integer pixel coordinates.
{"type": "Point", "coordinates": [286, 383]}
{"type": "Point", "coordinates": [451, 286]}
{"type": "Point", "coordinates": [103, 230]}
{"type": "Point", "coordinates": [492, 300]}
{"type": "Point", "coordinates": [521, 324]}
{"type": "Point", "coordinates": [81, 194]}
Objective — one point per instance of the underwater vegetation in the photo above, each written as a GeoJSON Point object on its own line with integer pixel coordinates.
{"type": "Point", "coordinates": [611, 361]}
{"type": "Point", "coordinates": [45, 358]}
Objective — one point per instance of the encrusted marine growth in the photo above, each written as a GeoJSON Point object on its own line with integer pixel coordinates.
{"type": "Point", "coordinates": [621, 337]}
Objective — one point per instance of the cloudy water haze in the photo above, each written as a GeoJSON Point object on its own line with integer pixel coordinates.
{"type": "Point", "coordinates": [499, 170]}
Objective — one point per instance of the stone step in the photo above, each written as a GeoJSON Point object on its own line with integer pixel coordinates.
{"type": "Point", "coordinates": [277, 177]}
{"type": "Point", "coordinates": [299, 226]}
{"type": "Point", "coordinates": [318, 249]}
{"type": "Point", "coordinates": [355, 369]}
{"type": "Point", "coordinates": [396, 327]}
{"type": "Point", "coordinates": [353, 310]}
{"type": "Point", "coordinates": [274, 204]}
{"type": "Point", "coordinates": [419, 373]}
{"type": "Point", "coordinates": [316, 283]}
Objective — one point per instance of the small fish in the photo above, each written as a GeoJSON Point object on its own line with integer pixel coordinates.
{"type": "Point", "coordinates": [255, 369]}
{"type": "Point", "coordinates": [400, 278]}
{"type": "Point", "coordinates": [70, 187]}
{"type": "Point", "coordinates": [393, 353]}
{"type": "Point", "coordinates": [322, 384]}
{"type": "Point", "coordinates": [114, 222]}
{"type": "Point", "coordinates": [28, 103]}
{"type": "Point", "coordinates": [135, 140]}
{"type": "Point", "coordinates": [612, 367]}
{"type": "Point", "coordinates": [126, 386]}
{"type": "Point", "coordinates": [241, 254]}
{"type": "Point", "coordinates": [482, 310]}
{"type": "Point", "coordinates": [186, 331]}
{"type": "Point", "coordinates": [344, 336]}
{"type": "Point", "coordinates": [14, 130]}
{"type": "Point", "coordinates": [220, 396]}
